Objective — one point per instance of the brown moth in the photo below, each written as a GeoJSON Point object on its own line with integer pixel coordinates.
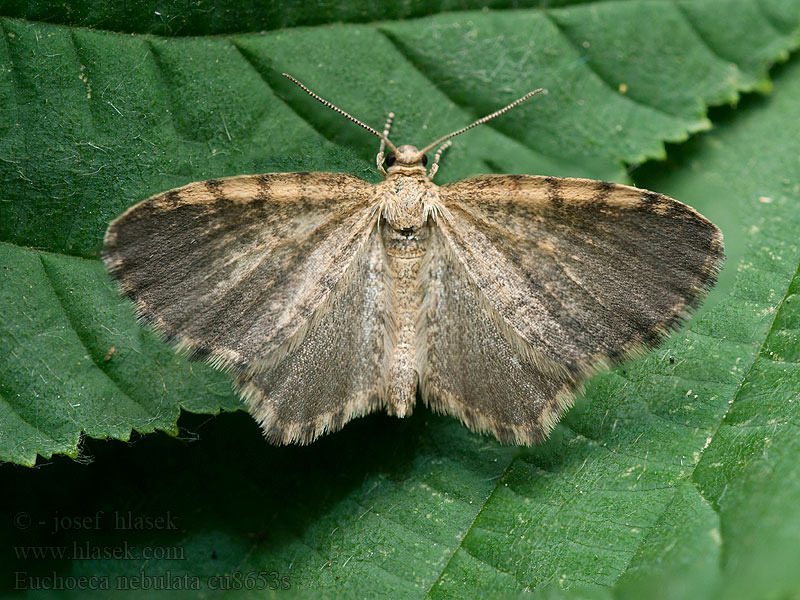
{"type": "Point", "coordinates": [328, 297]}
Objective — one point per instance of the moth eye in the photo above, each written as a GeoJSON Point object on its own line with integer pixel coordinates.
{"type": "Point", "coordinates": [424, 159]}
{"type": "Point", "coordinates": [389, 159]}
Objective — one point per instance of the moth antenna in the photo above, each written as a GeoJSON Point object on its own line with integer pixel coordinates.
{"type": "Point", "coordinates": [435, 167]}
{"type": "Point", "coordinates": [341, 112]}
{"type": "Point", "coordinates": [483, 120]}
{"type": "Point", "coordinates": [382, 149]}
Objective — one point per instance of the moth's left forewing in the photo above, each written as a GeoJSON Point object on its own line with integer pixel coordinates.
{"type": "Point", "coordinates": [587, 272]}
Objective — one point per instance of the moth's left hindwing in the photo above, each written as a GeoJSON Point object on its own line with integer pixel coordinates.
{"type": "Point", "coordinates": [234, 269]}
{"type": "Point", "coordinates": [476, 368]}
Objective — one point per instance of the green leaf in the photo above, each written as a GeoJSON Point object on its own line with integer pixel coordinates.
{"type": "Point", "coordinates": [95, 121]}
{"type": "Point", "coordinates": [672, 478]}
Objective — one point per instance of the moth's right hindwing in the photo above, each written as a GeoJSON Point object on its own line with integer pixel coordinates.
{"type": "Point", "coordinates": [232, 269]}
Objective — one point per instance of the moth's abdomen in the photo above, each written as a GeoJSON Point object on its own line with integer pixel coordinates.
{"type": "Point", "coordinates": [405, 250]}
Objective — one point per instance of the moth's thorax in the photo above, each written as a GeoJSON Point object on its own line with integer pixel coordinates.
{"type": "Point", "coordinates": [408, 245]}
{"type": "Point", "coordinates": [406, 201]}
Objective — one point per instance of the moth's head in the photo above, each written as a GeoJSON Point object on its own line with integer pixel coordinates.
{"type": "Point", "coordinates": [406, 160]}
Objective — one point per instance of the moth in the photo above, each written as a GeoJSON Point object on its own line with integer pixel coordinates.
{"type": "Point", "coordinates": [327, 297]}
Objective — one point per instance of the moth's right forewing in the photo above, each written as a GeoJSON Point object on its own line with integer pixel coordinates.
{"type": "Point", "coordinates": [586, 272]}
{"type": "Point", "coordinates": [232, 269]}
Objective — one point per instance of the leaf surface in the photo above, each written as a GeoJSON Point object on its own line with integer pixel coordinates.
{"type": "Point", "coordinates": [672, 478]}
